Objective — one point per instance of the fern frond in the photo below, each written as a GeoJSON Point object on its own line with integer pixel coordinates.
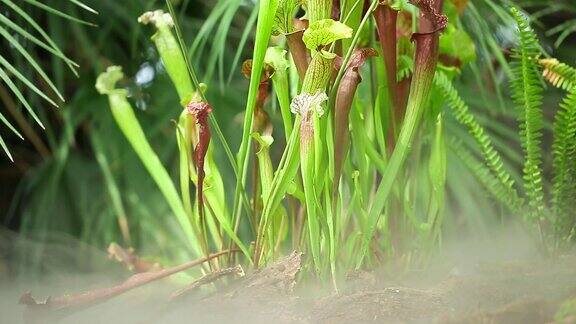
{"type": "Point", "coordinates": [527, 94]}
{"type": "Point", "coordinates": [564, 162]}
{"type": "Point", "coordinates": [496, 189]}
{"type": "Point", "coordinates": [558, 74]}
{"type": "Point", "coordinates": [491, 157]}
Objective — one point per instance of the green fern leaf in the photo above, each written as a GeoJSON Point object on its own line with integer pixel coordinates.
{"type": "Point", "coordinates": [491, 157]}
{"type": "Point", "coordinates": [558, 74]}
{"type": "Point", "coordinates": [485, 176]}
{"type": "Point", "coordinates": [527, 94]}
{"type": "Point", "coordinates": [564, 152]}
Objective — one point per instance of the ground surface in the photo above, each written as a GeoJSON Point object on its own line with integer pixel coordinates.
{"type": "Point", "coordinates": [512, 290]}
{"type": "Point", "coordinates": [499, 292]}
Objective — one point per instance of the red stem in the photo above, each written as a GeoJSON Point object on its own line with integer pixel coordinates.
{"type": "Point", "coordinates": [386, 20]}
{"type": "Point", "coordinates": [297, 47]}
{"type": "Point", "coordinates": [200, 111]}
{"type": "Point", "coordinates": [343, 104]}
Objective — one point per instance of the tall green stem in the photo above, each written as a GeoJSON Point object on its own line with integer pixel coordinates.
{"type": "Point", "coordinates": [124, 116]}
{"type": "Point", "coordinates": [266, 14]}
{"type": "Point", "coordinates": [318, 10]}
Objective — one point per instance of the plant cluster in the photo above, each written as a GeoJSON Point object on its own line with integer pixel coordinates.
{"type": "Point", "coordinates": [362, 176]}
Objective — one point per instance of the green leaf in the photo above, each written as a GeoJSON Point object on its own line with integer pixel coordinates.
{"type": "Point", "coordinates": [126, 120]}
{"type": "Point", "coordinates": [20, 96]}
{"type": "Point", "coordinates": [457, 43]}
{"type": "Point", "coordinates": [40, 31]}
{"type": "Point", "coordinates": [83, 6]}
{"type": "Point", "coordinates": [324, 32]}
{"type": "Point", "coordinates": [5, 148]}
{"type": "Point", "coordinates": [265, 141]}
{"type": "Point", "coordinates": [58, 12]}
{"type": "Point", "coordinates": [492, 158]}
{"type": "Point", "coordinates": [564, 155]}
{"type": "Point", "coordinates": [27, 82]}
{"type": "Point", "coordinates": [30, 59]}
{"type": "Point", "coordinates": [9, 125]}
{"type": "Point", "coordinates": [35, 40]}
{"type": "Point", "coordinates": [318, 74]}
{"type": "Point", "coordinates": [48, 45]}
{"type": "Point", "coordinates": [185, 165]}
{"type": "Point", "coordinates": [437, 174]}
{"type": "Point", "coordinates": [111, 185]}
{"type": "Point", "coordinates": [264, 162]}
{"type": "Point", "coordinates": [559, 74]}
{"type": "Point", "coordinates": [106, 82]}
{"type": "Point", "coordinates": [284, 19]}
{"type": "Point", "coordinates": [276, 57]}
{"type": "Point", "coordinates": [282, 182]}
{"type": "Point", "coordinates": [248, 29]}
{"type": "Point", "coordinates": [267, 9]}
{"type": "Point", "coordinates": [170, 52]}
{"type": "Point", "coordinates": [527, 94]}
{"type": "Point", "coordinates": [317, 9]}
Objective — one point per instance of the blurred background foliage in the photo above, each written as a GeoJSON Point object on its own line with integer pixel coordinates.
{"type": "Point", "coordinates": [80, 176]}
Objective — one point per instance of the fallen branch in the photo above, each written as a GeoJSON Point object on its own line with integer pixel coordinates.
{"type": "Point", "coordinates": [63, 305]}
{"type": "Point", "coordinates": [206, 279]}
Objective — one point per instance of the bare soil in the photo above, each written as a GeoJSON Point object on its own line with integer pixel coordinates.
{"type": "Point", "coordinates": [503, 292]}
{"type": "Point", "coordinates": [496, 292]}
